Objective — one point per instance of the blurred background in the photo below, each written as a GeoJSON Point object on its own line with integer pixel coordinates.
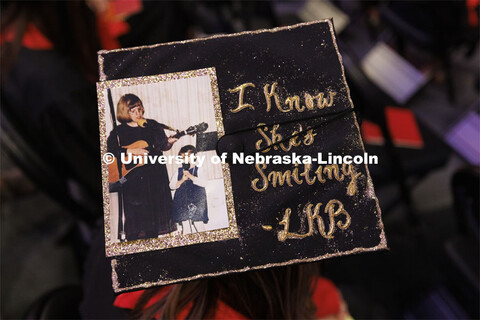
{"type": "Point", "coordinates": [413, 71]}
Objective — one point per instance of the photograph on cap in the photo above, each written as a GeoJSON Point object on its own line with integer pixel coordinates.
{"type": "Point", "coordinates": [166, 185]}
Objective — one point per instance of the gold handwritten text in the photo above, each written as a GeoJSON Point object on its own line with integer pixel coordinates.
{"type": "Point", "coordinates": [272, 98]}
{"type": "Point", "coordinates": [333, 210]}
{"type": "Point", "coordinates": [241, 92]}
{"type": "Point", "coordinates": [321, 175]}
{"type": "Point", "coordinates": [272, 137]}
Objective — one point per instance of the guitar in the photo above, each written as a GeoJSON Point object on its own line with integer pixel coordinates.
{"type": "Point", "coordinates": [113, 175]}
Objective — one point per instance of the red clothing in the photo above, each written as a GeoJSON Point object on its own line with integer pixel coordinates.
{"type": "Point", "coordinates": [32, 39]}
{"type": "Point", "coordinates": [111, 24]}
{"type": "Point", "coordinates": [325, 296]}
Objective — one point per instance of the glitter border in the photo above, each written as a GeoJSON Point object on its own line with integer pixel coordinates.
{"type": "Point", "coordinates": [102, 76]}
{"type": "Point", "coordinates": [164, 241]}
{"type": "Point", "coordinates": [383, 241]}
{"type": "Point", "coordinates": [273, 30]}
{"type": "Point", "coordinates": [145, 285]}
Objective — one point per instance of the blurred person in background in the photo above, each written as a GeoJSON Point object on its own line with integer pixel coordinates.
{"type": "Point", "coordinates": [49, 69]}
{"type": "Point", "coordinates": [49, 104]}
{"type": "Point", "coordinates": [49, 116]}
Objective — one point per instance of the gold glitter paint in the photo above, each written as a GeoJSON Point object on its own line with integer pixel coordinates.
{"type": "Point", "coordinates": [113, 262]}
{"type": "Point", "coordinates": [383, 239]}
{"type": "Point", "coordinates": [220, 130]}
{"type": "Point", "coordinates": [322, 173]}
{"type": "Point", "coordinates": [144, 285]}
{"type": "Point", "coordinates": [285, 234]}
{"type": "Point", "coordinates": [221, 36]}
{"type": "Point", "coordinates": [101, 73]}
{"type": "Point", "coordinates": [165, 241]}
{"type": "Point", "coordinates": [241, 92]}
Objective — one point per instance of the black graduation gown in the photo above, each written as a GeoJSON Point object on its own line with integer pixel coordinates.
{"type": "Point", "coordinates": [146, 193]}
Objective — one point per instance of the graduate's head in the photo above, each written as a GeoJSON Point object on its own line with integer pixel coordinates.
{"type": "Point", "coordinates": [129, 108]}
{"type": "Point", "coordinates": [275, 293]}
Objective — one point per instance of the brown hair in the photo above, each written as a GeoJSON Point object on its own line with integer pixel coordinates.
{"type": "Point", "coordinates": [274, 293]}
{"type": "Point", "coordinates": [127, 101]}
{"type": "Point", "coordinates": [187, 148]}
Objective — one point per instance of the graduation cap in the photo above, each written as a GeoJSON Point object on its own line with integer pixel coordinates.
{"type": "Point", "coordinates": [278, 94]}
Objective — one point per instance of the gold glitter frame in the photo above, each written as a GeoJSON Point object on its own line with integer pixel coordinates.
{"type": "Point", "coordinates": [380, 246]}
{"type": "Point", "coordinates": [164, 241]}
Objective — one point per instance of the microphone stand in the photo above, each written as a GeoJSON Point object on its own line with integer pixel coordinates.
{"type": "Point", "coordinates": [122, 180]}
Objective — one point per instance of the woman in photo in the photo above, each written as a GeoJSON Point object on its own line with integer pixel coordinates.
{"type": "Point", "coordinates": [146, 196]}
{"type": "Point", "coordinates": [190, 200]}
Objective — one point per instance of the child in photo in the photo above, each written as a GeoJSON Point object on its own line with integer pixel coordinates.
{"type": "Point", "coordinates": [190, 199]}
